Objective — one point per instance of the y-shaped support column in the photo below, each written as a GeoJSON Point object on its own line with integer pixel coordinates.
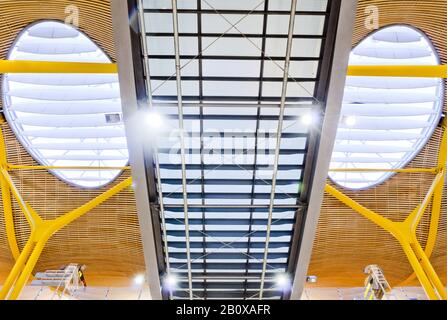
{"type": "Point", "coordinates": [405, 233]}
{"type": "Point", "coordinates": [41, 232]}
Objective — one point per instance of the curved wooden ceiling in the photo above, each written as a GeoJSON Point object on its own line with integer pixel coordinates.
{"type": "Point", "coordinates": [346, 242]}
{"type": "Point", "coordinates": [107, 240]}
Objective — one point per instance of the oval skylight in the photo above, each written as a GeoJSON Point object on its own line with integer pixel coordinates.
{"type": "Point", "coordinates": [66, 119]}
{"type": "Point", "coordinates": [386, 121]}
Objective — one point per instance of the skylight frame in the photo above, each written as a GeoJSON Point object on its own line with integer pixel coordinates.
{"type": "Point", "coordinates": [24, 139]}
{"type": "Point", "coordinates": [320, 91]}
{"type": "Point", "coordinates": [435, 117]}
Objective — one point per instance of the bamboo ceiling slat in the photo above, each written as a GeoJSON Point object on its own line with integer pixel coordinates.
{"type": "Point", "coordinates": [345, 241]}
{"type": "Point", "coordinates": [107, 239]}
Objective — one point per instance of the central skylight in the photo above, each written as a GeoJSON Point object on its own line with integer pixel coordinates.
{"type": "Point", "coordinates": [386, 121]}
{"type": "Point", "coordinates": [228, 233]}
{"type": "Point", "coordinates": [66, 119]}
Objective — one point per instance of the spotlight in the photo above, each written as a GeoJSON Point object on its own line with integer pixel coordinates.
{"type": "Point", "coordinates": [153, 120]}
{"type": "Point", "coordinates": [283, 281]}
{"type": "Point", "coordinates": [170, 282]}
{"type": "Point", "coordinates": [307, 119]}
{"type": "Point", "coordinates": [350, 121]}
{"type": "Point", "coordinates": [139, 279]}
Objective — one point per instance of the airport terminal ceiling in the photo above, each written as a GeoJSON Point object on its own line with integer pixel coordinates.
{"type": "Point", "coordinates": [237, 96]}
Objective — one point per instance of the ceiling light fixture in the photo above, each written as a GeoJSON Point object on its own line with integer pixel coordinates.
{"type": "Point", "coordinates": [307, 119]}
{"type": "Point", "coordinates": [170, 282]}
{"type": "Point", "coordinates": [139, 279]}
{"type": "Point", "coordinates": [283, 281]}
{"type": "Point", "coordinates": [153, 120]}
{"type": "Point", "coordinates": [311, 279]}
{"type": "Point", "coordinates": [350, 121]}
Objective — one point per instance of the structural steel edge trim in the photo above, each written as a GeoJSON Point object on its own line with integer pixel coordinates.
{"type": "Point", "coordinates": [331, 119]}
{"type": "Point", "coordinates": [28, 66]}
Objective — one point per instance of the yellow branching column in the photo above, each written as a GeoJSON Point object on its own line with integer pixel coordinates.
{"type": "Point", "coordinates": [6, 199]}
{"type": "Point", "coordinates": [405, 232]}
{"type": "Point", "coordinates": [41, 230]}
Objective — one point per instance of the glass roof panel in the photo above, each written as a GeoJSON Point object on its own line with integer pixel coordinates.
{"type": "Point", "coordinates": [232, 68]}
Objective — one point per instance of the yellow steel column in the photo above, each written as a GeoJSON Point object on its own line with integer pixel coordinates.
{"type": "Point", "coordinates": [7, 203]}
{"type": "Point", "coordinates": [405, 233]}
{"type": "Point", "coordinates": [29, 267]}
{"type": "Point", "coordinates": [436, 71]}
{"type": "Point", "coordinates": [437, 197]}
{"type": "Point", "coordinates": [18, 267]}
{"type": "Point", "coordinates": [31, 216]}
{"type": "Point", "coordinates": [15, 66]}
{"type": "Point", "coordinates": [437, 201]}
{"type": "Point", "coordinates": [25, 66]}
{"type": "Point", "coordinates": [42, 230]}
{"type": "Point", "coordinates": [422, 277]}
{"type": "Point", "coordinates": [67, 218]}
{"type": "Point", "coordinates": [431, 273]}
{"type": "Point", "coordinates": [385, 223]}
{"type": "Point", "coordinates": [9, 222]}
{"type": "Point", "coordinates": [439, 71]}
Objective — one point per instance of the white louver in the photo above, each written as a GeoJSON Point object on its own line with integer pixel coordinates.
{"type": "Point", "coordinates": [61, 119]}
{"type": "Point", "coordinates": [386, 121]}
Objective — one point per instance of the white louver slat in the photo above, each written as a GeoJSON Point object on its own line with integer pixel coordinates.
{"type": "Point", "coordinates": [69, 133]}
{"type": "Point", "coordinates": [389, 110]}
{"type": "Point", "coordinates": [397, 36]}
{"type": "Point", "coordinates": [63, 80]}
{"type": "Point", "coordinates": [67, 108]}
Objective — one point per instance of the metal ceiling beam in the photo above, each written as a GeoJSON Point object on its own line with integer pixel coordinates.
{"type": "Point", "coordinates": [133, 99]}
{"type": "Point", "coordinates": [236, 35]}
{"type": "Point", "coordinates": [237, 12]}
{"type": "Point", "coordinates": [155, 151]}
{"type": "Point", "coordinates": [45, 67]}
{"type": "Point", "coordinates": [232, 105]}
{"type": "Point", "coordinates": [343, 31]}
{"type": "Point", "coordinates": [234, 206]}
{"type": "Point", "coordinates": [24, 66]}
{"type": "Point", "coordinates": [182, 137]}
{"type": "Point", "coordinates": [437, 71]}
{"type": "Point", "coordinates": [278, 141]}
{"type": "Point", "coordinates": [223, 99]}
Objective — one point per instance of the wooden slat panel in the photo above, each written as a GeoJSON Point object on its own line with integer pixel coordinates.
{"type": "Point", "coordinates": [107, 239]}
{"type": "Point", "coordinates": [346, 242]}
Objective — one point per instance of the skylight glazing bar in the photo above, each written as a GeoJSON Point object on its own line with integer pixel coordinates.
{"type": "Point", "coordinates": [278, 141]}
{"type": "Point", "coordinates": [235, 105]}
{"type": "Point", "coordinates": [223, 206]}
{"type": "Point", "coordinates": [182, 140]}
{"type": "Point", "coordinates": [155, 151]}
{"type": "Point", "coordinates": [253, 188]}
{"type": "Point", "coordinates": [235, 35]}
{"type": "Point", "coordinates": [237, 12]}
{"type": "Point", "coordinates": [202, 162]}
